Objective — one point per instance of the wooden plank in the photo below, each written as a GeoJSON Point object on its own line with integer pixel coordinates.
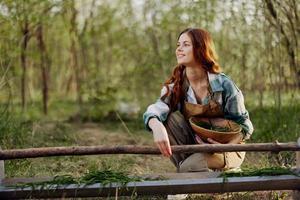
{"type": "Point", "coordinates": [188, 175]}
{"type": "Point", "coordinates": [208, 185]}
{"type": "Point", "coordinates": [298, 155]}
{"type": "Point", "coordinates": [133, 149]}
{"type": "Point", "coordinates": [296, 193]}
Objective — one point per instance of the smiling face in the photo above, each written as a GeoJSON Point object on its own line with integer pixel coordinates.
{"type": "Point", "coordinates": [184, 50]}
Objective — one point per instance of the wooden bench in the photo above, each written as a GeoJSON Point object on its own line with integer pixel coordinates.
{"type": "Point", "coordinates": [176, 183]}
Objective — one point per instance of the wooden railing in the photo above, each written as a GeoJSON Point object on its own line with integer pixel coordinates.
{"type": "Point", "coordinates": [197, 182]}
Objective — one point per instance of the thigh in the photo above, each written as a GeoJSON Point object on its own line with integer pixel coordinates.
{"type": "Point", "coordinates": [179, 130]}
{"type": "Point", "coordinates": [215, 160]}
{"type": "Point", "coordinates": [234, 159]}
{"type": "Point", "coordinates": [180, 133]}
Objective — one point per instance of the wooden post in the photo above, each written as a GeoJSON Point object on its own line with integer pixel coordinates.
{"type": "Point", "coordinates": [296, 193]}
{"type": "Point", "coordinates": [298, 156]}
{"type": "Point", "coordinates": [2, 174]}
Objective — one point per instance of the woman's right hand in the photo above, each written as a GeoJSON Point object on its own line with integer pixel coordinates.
{"type": "Point", "coordinates": [160, 136]}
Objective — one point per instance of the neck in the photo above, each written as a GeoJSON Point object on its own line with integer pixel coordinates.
{"type": "Point", "coordinates": [196, 74]}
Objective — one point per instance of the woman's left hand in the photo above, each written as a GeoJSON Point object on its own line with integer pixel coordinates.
{"type": "Point", "coordinates": [211, 141]}
{"type": "Point", "coordinates": [199, 140]}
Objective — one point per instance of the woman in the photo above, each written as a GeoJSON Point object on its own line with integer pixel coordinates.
{"type": "Point", "coordinates": [197, 80]}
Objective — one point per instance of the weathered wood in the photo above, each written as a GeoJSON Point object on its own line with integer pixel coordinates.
{"type": "Point", "coordinates": [296, 193]}
{"type": "Point", "coordinates": [2, 170]}
{"type": "Point", "coordinates": [187, 175]}
{"type": "Point", "coordinates": [132, 149]}
{"type": "Point", "coordinates": [298, 155]}
{"type": "Point", "coordinates": [207, 185]}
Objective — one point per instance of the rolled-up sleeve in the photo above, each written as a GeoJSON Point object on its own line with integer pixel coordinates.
{"type": "Point", "coordinates": [234, 108]}
{"type": "Point", "coordinates": [159, 109]}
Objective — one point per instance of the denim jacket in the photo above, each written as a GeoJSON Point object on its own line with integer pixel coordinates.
{"type": "Point", "coordinates": [225, 92]}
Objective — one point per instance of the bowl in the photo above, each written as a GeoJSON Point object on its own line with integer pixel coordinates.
{"type": "Point", "coordinates": [222, 132]}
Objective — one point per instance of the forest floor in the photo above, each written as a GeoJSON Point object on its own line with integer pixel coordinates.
{"type": "Point", "coordinates": [67, 134]}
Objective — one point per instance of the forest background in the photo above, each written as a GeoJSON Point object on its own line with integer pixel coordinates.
{"type": "Point", "coordinates": [65, 63]}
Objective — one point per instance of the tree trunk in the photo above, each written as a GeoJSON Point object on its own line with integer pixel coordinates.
{"type": "Point", "coordinates": [287, 40]}
{"type": "Point", "coordinates": [96, 50]}
{"type": "Point", "coordinates": [244, 66]}
{"type": "Point", "coordinates": [24, 43]}
{"type": "Point", "coordinates": [74, 54]}
{"type": "Point", "coordinates": [45, 66]}
{"type": "Point", "coordinates": [84, 61]}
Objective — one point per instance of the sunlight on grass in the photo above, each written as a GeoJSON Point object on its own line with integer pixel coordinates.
{"type": "Point", "coordinates": [33, 129]}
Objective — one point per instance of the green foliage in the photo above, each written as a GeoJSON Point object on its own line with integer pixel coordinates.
{"type": "Point", "coordinates": [13, 131]}
{"type": "Point", "coordinates": [124, 52]}
{"type": "Point", "coordinates": [103, 105]}
{"type": "Point", "coordinates": [270, 171]}
{"type": "Point", "coordinates": [104, 177]}
{"type": "Point", "coordinates": [272, 124]}
{"type": "Point", "coordinates": [131, 47]}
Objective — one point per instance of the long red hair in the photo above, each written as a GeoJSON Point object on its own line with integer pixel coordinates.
{"type": "Point", "coordinates": [204, 53]}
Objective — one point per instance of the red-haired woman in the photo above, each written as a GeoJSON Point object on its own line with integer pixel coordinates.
{"type": "Point", "coordinates": [197, 80]}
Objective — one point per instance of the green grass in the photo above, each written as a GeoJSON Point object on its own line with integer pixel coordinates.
{"type": "Point", "coordinates": [57, 110]}
{"type": "Point", "coordinates": [33, 129]}
{"type": "Point", "coordinates": [270, 171]}
{"type": "Point", "coordinates": [104, 177]}
{"type": "Point", "coordinates": [271, 124]}
{"type": "Point", "coordinates": [270, 98]}
{"type": "Point", "coordinates": [18, 132]}
{"type": "Point", "coordinates": [12, 129]}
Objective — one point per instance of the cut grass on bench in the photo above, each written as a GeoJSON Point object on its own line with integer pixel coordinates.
{"type": "Point", "coordinates": [106, 177]}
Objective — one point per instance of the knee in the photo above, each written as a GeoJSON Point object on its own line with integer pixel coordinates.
{"type": "Point", "coordinates": [194, 163]}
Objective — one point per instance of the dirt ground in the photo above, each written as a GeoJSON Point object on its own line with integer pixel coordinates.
{"type": "Point", "coordinates": [96, 134]}
{"type": "Point", "coordinates": [79, 134]}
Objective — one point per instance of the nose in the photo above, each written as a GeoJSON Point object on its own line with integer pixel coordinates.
{"type": "Point", "coordinates": [179, 48]}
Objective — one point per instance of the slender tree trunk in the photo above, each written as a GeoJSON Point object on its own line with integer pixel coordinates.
{"type": "Point", "coordinates": [262, 86]}
{"type": "Point", "coordinates": [75, 65]}
{"type": "Point", "coordinates": [24, 43]}
{"type": "Point", "coordinates": [74, 54]}
{"type": "Point", "coordinates": [96, 50]}
{"type": "Point", "coordinates": [45, 67]}
{"type": "Point", "coordinates": [155, 46]}
{"type": "Point", "coordinates": [287, 40]}
{"type": "Point", "coordinates": [244, 66]}
{"type": "Point", "coordinates": [84, 63]}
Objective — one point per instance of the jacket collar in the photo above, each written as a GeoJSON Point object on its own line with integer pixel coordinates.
{"type": "Point", "coordinates": [215, 81]}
